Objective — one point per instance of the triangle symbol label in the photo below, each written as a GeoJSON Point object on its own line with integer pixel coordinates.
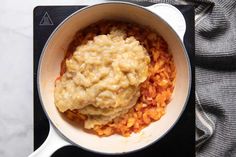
{"type": "Point", "coordinates": [46, 20]}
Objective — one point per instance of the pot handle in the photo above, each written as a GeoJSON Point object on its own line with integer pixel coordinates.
{"type": "Point", "coordinates": [172, 16]}
{"type": "Point", "coordinates": [53, 142]}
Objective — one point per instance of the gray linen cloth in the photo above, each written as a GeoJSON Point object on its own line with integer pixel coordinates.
{"type": "Point", "coordinates": [215, 76]}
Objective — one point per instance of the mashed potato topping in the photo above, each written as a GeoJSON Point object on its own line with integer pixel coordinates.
{"type": "Point", "coordinates": [103, 77]}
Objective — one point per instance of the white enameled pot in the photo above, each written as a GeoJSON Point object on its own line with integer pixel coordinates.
{"type": "Point", "coordinates": [167, 21]}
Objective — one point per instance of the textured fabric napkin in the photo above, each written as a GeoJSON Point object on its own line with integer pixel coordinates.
{"type": "Point", "coordinates": [215, 76]}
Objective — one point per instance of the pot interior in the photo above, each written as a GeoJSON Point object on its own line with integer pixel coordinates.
{"type": "Point", "coordinates": [53, 55]}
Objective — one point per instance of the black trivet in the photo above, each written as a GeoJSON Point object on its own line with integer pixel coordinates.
{"type": "Point", "coordinates": [180, 141]}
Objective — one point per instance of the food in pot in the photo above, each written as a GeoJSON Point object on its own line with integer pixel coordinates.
{"type": "Point", "coordinates": [102, 78]}
{"type": "Point", "coordinates": [117, 77]}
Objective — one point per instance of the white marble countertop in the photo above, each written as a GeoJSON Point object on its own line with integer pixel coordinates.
{"type": "Point", "coordinates": [16, 80]}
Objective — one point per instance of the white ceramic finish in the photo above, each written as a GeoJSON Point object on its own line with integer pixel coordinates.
{"type": "Point", "coordinates": [172, 16]}
{"type": "Point", "coordinates": [54, 54]}
{"type": "Point", "coordinates": [51, 144]}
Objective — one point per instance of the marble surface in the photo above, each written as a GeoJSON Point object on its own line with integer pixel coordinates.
{"type": "Point", "coordinates": [16, 79]}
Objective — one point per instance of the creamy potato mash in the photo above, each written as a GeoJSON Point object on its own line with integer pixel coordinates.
{"type": "Point", "coordinates": [102, 77]}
